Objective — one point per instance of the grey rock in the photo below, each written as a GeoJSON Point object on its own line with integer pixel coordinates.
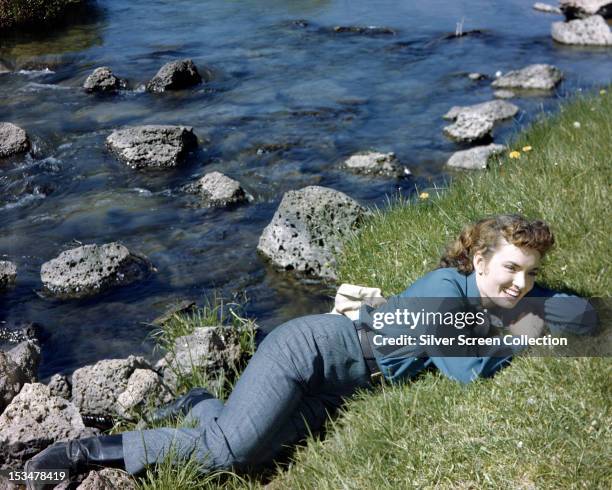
{"type": "Point", "coordinates": [59, 385]}
{"type": "Point", "coordinates": [584, 8]}
{"type": "Point", "coordinates": [207, 350]}
{"type": "Point", "coordinates": [218, 190]}
{"type": "Point", "coordinates": [90, 269]}
{"type": "Point", "coordinates": [364, 30]}
{"type": "Point", "coordinates": [532, 77]}
{"type": "Point", "coordinates": [475, 158]}
{"type": "Point", "coordinates": [476, 76]}
{"type": "Point", "coordinates": [308, 228]}
{"type": "Point", "coordinates": [107, 479]}
{"type": "Point", "coordinates": [13, 140]}
{"type": "Point", "coordinates": [26, 355]}
{"type": "Point", "coordinates": [469, 128]}
{"type": "Point", "coordinates": [546, 8]}
{"type": "Point", "coordinates": [12, 378]}
{"type": "Point", "coordinates": [504, 94]}
{"type": "Point", "coordinates": [144, 387]}
{"type": "Point", "coordinates": [175, 75]}
{"type": "Point", "coordinates": [375, 163]}
{"type": "Point", "coordinates": [182, 307]}
{"type": "Point", "coordinates": [96, 388]}
{"type": "Point", "coordinates": [592, 31]}
{"type": "Point", "coordinates": [495, 110]}
{"type": "Point", "coordinates": [34, 420]}
{"type": "Point", "coordinates": [8, 274]}
{"type": "Point", "coordinates": [13, 333]}
{"type": "Point", "coordinates": [103, 80]}
{"type": "Point", "coordinates": [152, 146]}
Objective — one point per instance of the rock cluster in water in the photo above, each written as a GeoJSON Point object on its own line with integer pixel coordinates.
{"type": "Point", "coordinates": [103, 80]}
{"type": "Point", "coordinates": [175, 75]}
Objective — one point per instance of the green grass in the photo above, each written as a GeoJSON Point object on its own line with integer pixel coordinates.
{"type": "Point", "coordinates": [540, 423]}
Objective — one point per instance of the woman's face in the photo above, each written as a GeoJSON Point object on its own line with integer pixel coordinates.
{"type": "Point", "coordinates": [507, 276]}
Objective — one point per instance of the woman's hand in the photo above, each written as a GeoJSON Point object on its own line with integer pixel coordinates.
{"type": "Point", "coordinates": [528, 324]}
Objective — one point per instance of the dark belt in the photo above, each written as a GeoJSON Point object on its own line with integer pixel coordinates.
{"type": "Point", "coordinates": [365, 340]}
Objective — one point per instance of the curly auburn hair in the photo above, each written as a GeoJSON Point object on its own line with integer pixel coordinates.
{"type": "Point", "coordinates": [485, 235]}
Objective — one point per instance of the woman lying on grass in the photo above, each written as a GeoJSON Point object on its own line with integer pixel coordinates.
{"type": "Point", "coordinates": [306, 367]}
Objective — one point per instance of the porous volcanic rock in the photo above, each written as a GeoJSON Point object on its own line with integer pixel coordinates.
{"type": "Point", "coordinates": [375, 163]}
{"type": "Point", "coordinates": [532, 77]}
{"type": "Point", "coordinates": [59, 385]}
{"type": "Point", "coordinates": [107, 479]}
{"type": "Point", "coordinates": [475, 158]}
{"type": "Point", "coordinates": [90, 269]}
{"type": "Point", "coordinates": [218, 190]}
{"type": "Point", "coordinates": [152, 146]}
{"type": "Point", "coordinates": [144, 385]}
{"type": "Point", "coordinates": [175, 75]}
{"type": "Point", "coordinates": [12, 378]}
{"type": "Point", "coordinates": [585, 8]}
{"type": "Point", "coordinates": [495, 110]}
{"type": "Point", "coordinates": [26, 355]}
{"type": "Point", "coordinates": [470, 127]}
{"type": "Point", "coordinates": [207, 350]}
{"type": "Point", "coordinates": [34, 420]}
{"type": "Point", "coordinates": [592, 31]}
{"type": "Point", "coordinates": [308, 228]}
{"type": "Point", "coordinates": [103, 80]}
{"type": "Point", "coordinates": [13, 140]}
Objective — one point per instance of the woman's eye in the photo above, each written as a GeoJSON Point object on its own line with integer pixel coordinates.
{"type": "Point", "coordinates": [510, 267]}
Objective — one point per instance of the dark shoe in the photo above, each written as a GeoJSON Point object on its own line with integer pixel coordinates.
{"type": "Point", "coordinates": [180, 406]}
{"type": "Point", "coordinates": [77, 456]}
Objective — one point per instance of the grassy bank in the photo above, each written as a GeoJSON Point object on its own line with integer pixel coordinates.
{"type": "Point", "coordinates": [541, 423]}
{"type": "Point", "coordinates": [17, 13]}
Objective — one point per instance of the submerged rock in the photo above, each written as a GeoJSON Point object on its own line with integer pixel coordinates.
{"type": "Point", "coordinates": [207, 350]}
{"type": "Point", "coordinates": [218, 190]}
{"type": "Point", "coordinates": [175, 75]}
{"type": "Point", "coordinates": [115, 387]}
{"type": "Point", "coordinates": [365, 30]}
{"type": "Point", "coordinates": [34, 420]}
{"type": "Point", "coordinates": [584, 8]}
{"type": "Point", "coordinates": [592, 31]}
{"type": "Point", "coordinates": [504, 94]}
{"type": "Point", "coordinates": [546, 8]}
{"type": "Point", "coordinates": [8, 274]}
{"type": "Point", "coordinates": [535, 77]}
{"type": "Point", "coordinates": [375, 163]}
{"type": "Point", "coordinates": [13, 140]}
{"type": "Point", "coordinates": [475, 158]}
{"type": "Point", "coordinates": [308, 228]}
{"type": "Point", "coordinates": [152, 146]}
{"type": "Point", "coordinates": [103, 80]}
{"type": "Point", "coordinates": [90, 269]}
{"type": "Point", "coordinates": [476, 76]}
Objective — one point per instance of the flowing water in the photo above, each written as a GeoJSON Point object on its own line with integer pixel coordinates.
{"type": "Point", "coordinates": [290, 99]}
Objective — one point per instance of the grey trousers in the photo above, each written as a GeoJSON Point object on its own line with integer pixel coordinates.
{"type": "Point", "coordinates": [302, 371]}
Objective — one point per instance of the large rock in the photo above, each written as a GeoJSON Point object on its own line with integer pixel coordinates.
{"type": "Point", "coordinates": [34, 420]}
{"type": "Point", "coordinates": [218, 190]}
{"type": "Point", "coordinates": [375, 163]}
{"type": "Point", "coordinates": [175, 75]}
{"type": "Point", "coordinates": [103, 80]}
{"type": "Point", "coordinates": [90, 269]}
{"type": "Point", "coordinates": [469, 128]}
{"type": "Point", "coordinates": [474, 158]}
{"type": "Point", "coordinates": [13, 140]}
{"type": "Point", "coordinates": [26, 355]}
{"type": "Point", "coordinates": [107, 479]}
{"type": "Point", "coordinates": [152, 146]}
{"type": "Point", "coordinates": [585, 8]}
{"type": "Point", "coordinates": [532, 77]}
{"type": "Point", "coordinates": [114, 387]}
{"type": "Point", "coordinates": [12, 378]}
{"type": "Point", "coordinates": [308, 228]}
{"type": "Point", "coordinates": [208, 350]}
{"type": "Point", "coordinates": [592, 31]}
{"type": "Point", "coordinates": [494, 109]}
{"type": "Point", "coordinates": [8, 274]}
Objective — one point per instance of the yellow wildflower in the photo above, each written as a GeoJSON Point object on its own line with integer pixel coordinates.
{"type": "Point", "coordinates": [515, 154]}
{"type": "Point", "coordinates": [424, 195]}
{"type": "Point", "coordinates": [527, 148]}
